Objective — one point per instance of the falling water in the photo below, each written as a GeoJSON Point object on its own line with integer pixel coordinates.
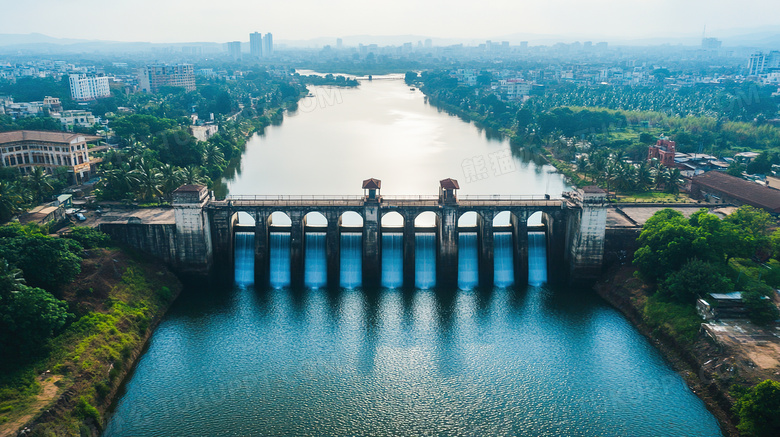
{"type": "Point", "coordinates": [392, 260]}
{"type": "Point", "coordinates": [468, 261]}
{"type": "Point", "coordinates": [244, 258]}
{"type": "Point", "coordinates": [537, 258]}
{"type": "Point", "coordinates": [315, 261]}
{"type": "Point", "coordinates": [503, 260]}
{"type": "Point", "coordinates": [351, 260]}
{"type": "Point", "coordinates": [280, 260]}
{"type": "Point", "coordinates": [425, 260]}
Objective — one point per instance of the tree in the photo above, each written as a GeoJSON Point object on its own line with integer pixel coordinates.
{"type": "Point", "coordinates": [693, 280]}
{"type": "Point", "coordinates": [761, 309]}
{"type": "Point", "coordinates": [753, 226]}
{"type": "Point", "coordinates": [88, 238]}
{"type": "Point", "coordinates": [46, 262]}
{"type": "Point", "coordinates": [28, 317]}
{"type": "Point", "coordinates": [758, 410]}
{"type": "Point", "coordinates": [646, 138]}
{"type": "Point", "coordinates": [12, 200]}
{"type": "Point", "coordinates": [735, 169]}
{"type": "Point", "coordinates": [149, 181]}
{"type": "Point", "coordinates": [39, 183]}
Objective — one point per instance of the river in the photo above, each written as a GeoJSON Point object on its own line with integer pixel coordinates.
{"type": "Point", "coordinates": [525, 359]}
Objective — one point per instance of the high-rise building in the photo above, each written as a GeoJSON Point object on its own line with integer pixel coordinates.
{"type": "Point", "coordinates": [234, 49]}
{"type": "Point", "coordinates": [339, 43]}
{"type": "Point", "coordinates": [152, 77]}
{"type": "Point", "coordinates": [268, 45]}
{"type": "Point", "coordinates": [256, 44]}
{"type": "Point", "coordinates": [83, 87]}
{"type": "Point", "coordinates": [711, 43]}
{"type": "Point", "coordinates": [428, 43]}
{"type": "Point", "coordinates": [761, 63]}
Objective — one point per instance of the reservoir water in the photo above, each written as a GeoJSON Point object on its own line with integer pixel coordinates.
{"type": "Point", "coordinates": [516, 359]}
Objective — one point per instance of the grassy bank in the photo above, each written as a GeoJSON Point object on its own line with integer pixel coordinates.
{"type": "Point", "coordinates": [117, 300]}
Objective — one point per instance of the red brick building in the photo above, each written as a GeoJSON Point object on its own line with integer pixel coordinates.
{"type": "Point", "coordinates": [663, 151]}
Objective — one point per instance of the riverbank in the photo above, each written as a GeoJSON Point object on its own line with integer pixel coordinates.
{"type": "Point", "coordinates": [711, 368]}
{"type": "Point", "coordinates": [119, 298]}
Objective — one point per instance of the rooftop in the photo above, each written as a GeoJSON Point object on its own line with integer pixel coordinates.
{"type": "Point", "coordinates": [194, 188]}
{"type": "Point", "coordinates": [449, 184]}
{"type": "Point", "coordinates": [372, 184]}
{"type": "Point", "coordinates": [44, 136]}
{"type": "Point", "coordinates": [749, 192]}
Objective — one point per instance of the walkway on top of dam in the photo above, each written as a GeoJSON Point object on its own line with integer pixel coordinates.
{"type": "Point", "coordinates": [467, 201]}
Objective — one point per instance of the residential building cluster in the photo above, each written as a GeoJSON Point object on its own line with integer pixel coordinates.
{"type": "Point", "coordinates": [48, 107]}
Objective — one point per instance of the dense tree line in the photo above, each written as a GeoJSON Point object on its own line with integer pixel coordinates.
{"type": "Point", "coordinates": [328, 79]}
{"type": "Point", "coordinates": [688, 258]}
{"type": "Point", "coordinates": [18, 193]}
{"type": "Point", "coordinates": [33, 268]}
{"type": "Point", "coordinates": [718, 119]}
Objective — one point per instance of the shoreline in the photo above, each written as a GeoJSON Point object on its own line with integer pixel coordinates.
{"type": "Point", "coordinates": [682, 358]}
{"type": "Point", "coordinates": [101, 383]}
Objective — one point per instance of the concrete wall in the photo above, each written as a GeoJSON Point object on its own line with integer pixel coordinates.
{"type": "Point", "coordinates": [586, 235]}
{"type": "Point", "coordinates": [194, 251]}
{"type": "Point", "coordinates": [620, 245]}
{"type": "Point", "coordinates": [158, 240]}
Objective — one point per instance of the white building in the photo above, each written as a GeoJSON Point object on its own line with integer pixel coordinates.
{"type": "Point", "coordinates": [75, 118]}
{"type": "Point", "coordinates": [761, 63]}
{"type": "Point", "coordinates": [152, 77]}
{"type": "Point", "coordinates": [256, 44]}
{"type": "Point", "coordinates": [268, 45]}
{"type": "Point", "coordinates": [515, 89]}
{"type": "Point", "coordinates": [83, 87]}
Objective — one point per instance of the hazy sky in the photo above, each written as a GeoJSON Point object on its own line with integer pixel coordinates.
{"type": "Point", "coordinates": [226, 20]}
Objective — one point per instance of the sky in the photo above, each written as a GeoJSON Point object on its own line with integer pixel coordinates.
{"type": "Point", "coordinates": [166, 21]}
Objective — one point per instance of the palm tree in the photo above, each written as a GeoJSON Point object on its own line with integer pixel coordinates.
{"type": "Point", "coordinates": [171, 177]}
{"type": "Point", "coordinates": [39, 183]}
{"type": "Point", "coordinates": [194, 175]}
{"type": "Point", "coordinates": [12, 199]}
{"type": "Point", "coordinates": [213, 159]}
{"type": "Point", "coordinates": [117, 183]}
{"type": "Point", "coordinates": [673, 186]}
{"type": "Point", "coordinates": [11, 279]}
{"type": "Point", "coordinates": [644, 176]}
{"type": "Point", "coordinates": [149, 181]}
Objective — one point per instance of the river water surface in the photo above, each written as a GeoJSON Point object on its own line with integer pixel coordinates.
{"type": "Point", "coordinates": [523, 359]}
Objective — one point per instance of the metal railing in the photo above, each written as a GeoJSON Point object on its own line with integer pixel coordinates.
{"type": "Point", "coordinates": [503, 197]}
{"type": "Point", "coordinates": [243, 197]}
{"type": "Point", "coordinates": [331, 198]}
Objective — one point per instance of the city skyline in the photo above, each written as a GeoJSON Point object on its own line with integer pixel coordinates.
{"type": "Point", "coordinates": [232, 20]}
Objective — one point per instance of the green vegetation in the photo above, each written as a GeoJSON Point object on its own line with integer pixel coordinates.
{"type": "Point", "coordinates": [18, 193]}
{"type": "Point", "coordinates": [159, 154]}
{"type": "Point", "coordinates": [328, 79]}
{"type": "Point", "coordinates": [676, 320]}
{"type": "Point", "coordinates": [758, 410]}
{"type": "Point", "coordinates": [688, 258]}
{"type": "Point", "coordinates": [45, 262]}
{"type": "Point", "coordinates": [86, 336]}
{"type": "Point", "coordinates": [605, 130]}
{"type": "Point", "coordinates": [685, 259]}
{"type": "Point", "coordinates": [695, 279]}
